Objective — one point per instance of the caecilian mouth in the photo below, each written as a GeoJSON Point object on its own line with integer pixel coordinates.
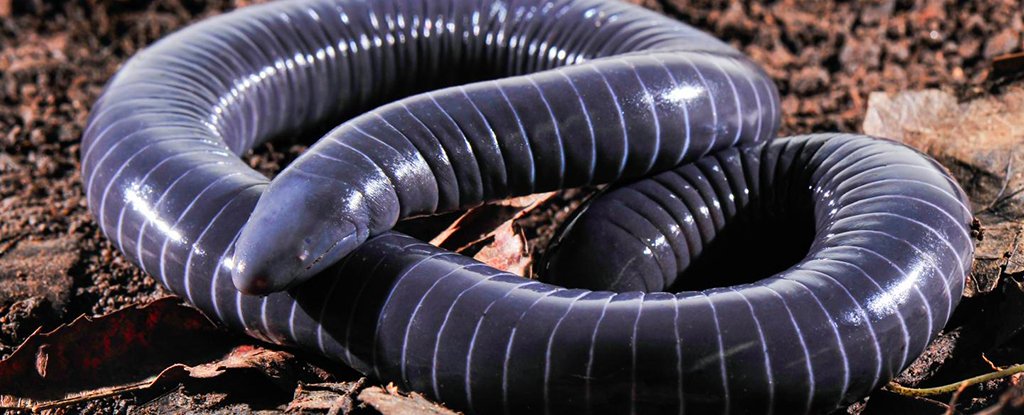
{"type": "Point", "coordinates": [323, 255]}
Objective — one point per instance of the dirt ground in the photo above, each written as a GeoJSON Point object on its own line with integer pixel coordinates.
{"type": "Point", "coordinates": [826, 57]}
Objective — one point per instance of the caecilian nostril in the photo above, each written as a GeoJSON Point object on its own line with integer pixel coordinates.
{"type": "Point", "coordinates": [260, 283]}
{"type": "Point", "coordinates": [257, 285]}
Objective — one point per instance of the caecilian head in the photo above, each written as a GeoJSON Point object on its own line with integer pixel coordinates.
{"type": "Point", "coordinates": [298, 228]}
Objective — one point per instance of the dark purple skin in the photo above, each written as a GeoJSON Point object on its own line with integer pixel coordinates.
{"type": "Point", "coordinates": [845, 254]}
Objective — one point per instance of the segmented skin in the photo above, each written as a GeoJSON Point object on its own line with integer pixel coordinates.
{"type": "Point", "coordinates": [548, 95]}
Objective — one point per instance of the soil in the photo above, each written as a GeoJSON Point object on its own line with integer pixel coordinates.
{"type": "Point", "coordinates": [826, 58]}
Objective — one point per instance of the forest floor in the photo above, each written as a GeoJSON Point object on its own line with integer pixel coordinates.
{"type": "Point", "coordinates": [840, 66]}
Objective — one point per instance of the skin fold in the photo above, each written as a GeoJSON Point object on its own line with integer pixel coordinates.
{"type": "Point", "coordinates": [721, 272]}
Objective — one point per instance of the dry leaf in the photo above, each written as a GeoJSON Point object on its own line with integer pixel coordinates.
{"type": "Point", "coordinates": [92, 357]}
{"type": "Point", "coordinates": [270, 377]}
{"type": "Point", "coordinates": [490, 233]}
{"type": "Point", "coordinates": [391, 402]}
{"type": "Point", "coordinates": [982, 143]}
{"type": "Point", "coordinates": [477, 223]}
{"type": "Point", "coordinates": [999, 253]}
{"type": "Point", "coordinates": [332, 398]}
{"type": "Point", "coordinates": [507, 250]}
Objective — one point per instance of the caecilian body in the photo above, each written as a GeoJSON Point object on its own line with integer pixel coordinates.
{"type": "Point", "coordinates": [722, 273]}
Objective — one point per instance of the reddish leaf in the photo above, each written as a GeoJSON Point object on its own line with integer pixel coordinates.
{"type": "Point", "coordinates": [108, 352]}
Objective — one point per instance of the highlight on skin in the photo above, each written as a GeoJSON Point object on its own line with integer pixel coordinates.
{"type": "Point", "coordinates": [723, 271]}
{"type": "Point", "coordinates": [531, 129]}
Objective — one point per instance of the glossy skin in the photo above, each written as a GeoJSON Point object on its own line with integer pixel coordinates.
{"type": "Point", "coordinates": [886, 229]}
{"type": "Point", "coordinates": [597, 121]}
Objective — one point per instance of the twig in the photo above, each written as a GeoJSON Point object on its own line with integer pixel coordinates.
{"type": "Point", "coordinates": [952, 387]}
{"type": "Point", "coordinates": [998, 200]}
{"type": "Point", "coordinates": [990, 364]}
{"type": "Point", "coordinates": [951, 407]}
{"type": "Point", "coordinates": [79, 397]}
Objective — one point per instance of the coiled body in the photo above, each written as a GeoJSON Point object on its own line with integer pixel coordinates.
{"type": "Point", "coordinates": [584, 91]}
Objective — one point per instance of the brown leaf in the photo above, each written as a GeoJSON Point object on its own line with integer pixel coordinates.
{"type": "Point", "coordinates": [472, 226]}
{"type": "Point", "coordinates": [507, 250]}
{"type": "Point", "coordinates": [527, 203]}
{"type": "Point", "coordinates": [391, 402]}
{"type": "Point", "coordinates": [271, 363]}
{"type": "Point", "coordinates": [980, 142]}
{"type": "Point", "coordinates": [998, 254]}
{"type": "Point", "coordinates": [492, 235]}
{"type": "Point", "coordinates": [477, 223]}
{"type": "Point", "coordinates": [261, 376]}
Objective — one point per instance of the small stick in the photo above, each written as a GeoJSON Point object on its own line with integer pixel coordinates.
{"type": "Point", "coordinates": [992, 365]}
{"type": "Point", "coordinates": [952, 387]}
{"type": "Point", "coordinates": [951, 408]}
